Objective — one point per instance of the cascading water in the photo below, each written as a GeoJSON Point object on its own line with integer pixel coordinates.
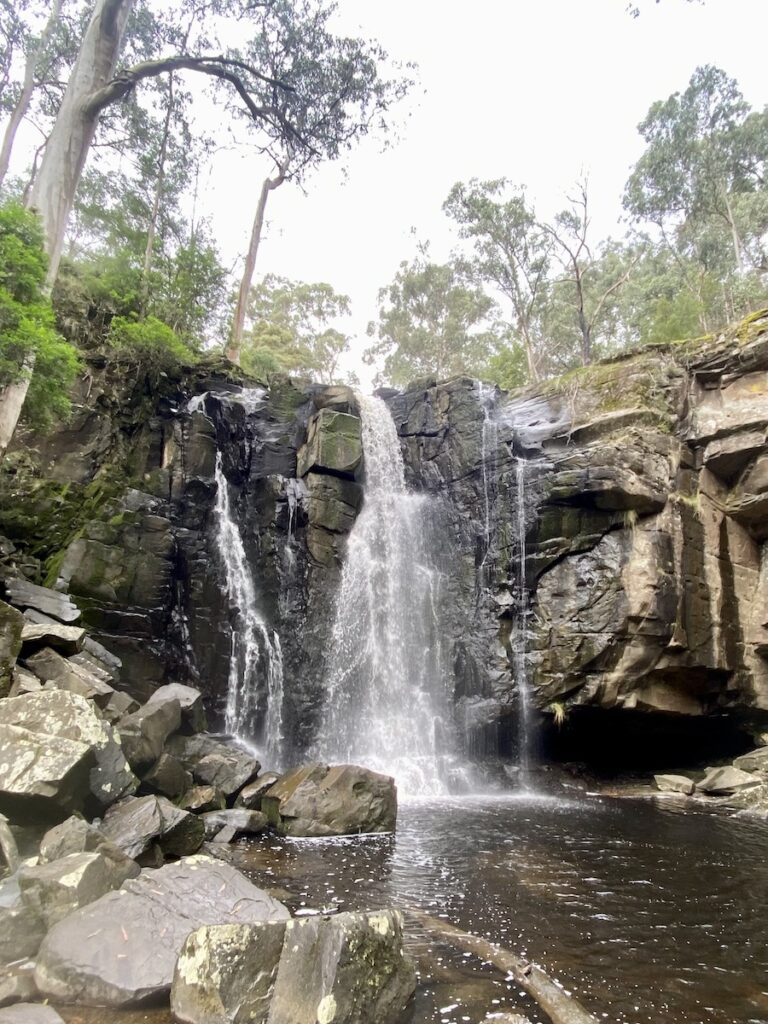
{"type": "Point", "coordinates": [519, 639]}
{"type": "Point", "coordinates": [489, 449]}
{"type": "Point", "coordinates": [387, 703]}
{"type": "Point", "coordinates": [256, 661]}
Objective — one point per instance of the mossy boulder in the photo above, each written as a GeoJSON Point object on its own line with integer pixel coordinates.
{"type": "Point", "coordinates": [334, 444]}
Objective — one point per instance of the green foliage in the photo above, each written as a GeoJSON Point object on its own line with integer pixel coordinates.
{"type": "Point", "coordinates": [507, 368]}
{"type": "Point", "coordinates": [431, 323]}
{"type": "Point", "coordinates": [29, 344]}
{"type": "Point", "coordinates": [148, 345]}
{"type": "Point", "coordinates": [291, 329]}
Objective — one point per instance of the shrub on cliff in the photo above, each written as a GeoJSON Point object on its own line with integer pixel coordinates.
{"type": "Point", "coordinates": [27, 333]}
{"type": "Point", "coordinates": [148, 345]}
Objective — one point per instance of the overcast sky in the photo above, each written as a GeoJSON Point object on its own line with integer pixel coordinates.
{"type": "Point", "coordinates": [532, 90]}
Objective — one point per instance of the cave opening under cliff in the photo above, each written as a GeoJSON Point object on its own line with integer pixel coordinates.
{"type": "Point", "coordinates": [614, 742]}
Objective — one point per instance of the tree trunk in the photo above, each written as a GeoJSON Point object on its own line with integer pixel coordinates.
{"type": "Point", "coordinates": [65, 155]}
{"type": "Point", "coordinates": [735, 238]}
{"type": "Point", "coordinates": [232, 350]}
{"type": "Point", "coordinates": [530, 356]}
{"type": "Point", "coordinates": [11, 402]}
{"type": "Point", "coordinates": [152, 227]}
{"type": "Point", "coordinates": [27, 89]}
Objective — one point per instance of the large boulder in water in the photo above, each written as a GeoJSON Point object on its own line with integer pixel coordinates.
{"type": "Point", "coordinates": [123, 948]}
{"type": "Point", "coordinates": [57, 756]}
{"type": "Point", "coordinates": [318, 800]}
{"type": "Point", "coordinates": [347, 969]}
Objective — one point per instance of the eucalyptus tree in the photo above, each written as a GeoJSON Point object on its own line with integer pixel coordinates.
{"type": "Point", "coordinates": [509, 251]}
{"type": "Point", "coordinates": [590, 279]}
{"type": "Point", "coordinates": [432, 323]}
{"type": "Point", "coordinates": [335, 93]}
{"type": "Point", "coordinates": [295, 328]}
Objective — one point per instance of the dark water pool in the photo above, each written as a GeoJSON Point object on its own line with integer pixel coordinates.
{"type": "Point", "coordinates": [645, 912]}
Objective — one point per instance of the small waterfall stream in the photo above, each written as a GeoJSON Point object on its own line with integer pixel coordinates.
{"type": "Point", "coordinates": [256, 661]}
{"type": "Point", "coordinates": [387, 702]}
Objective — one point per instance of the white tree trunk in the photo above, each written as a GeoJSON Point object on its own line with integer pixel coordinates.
{"type": "Point", "coordinates": [11, 402]}
{"type": "Point", "coordinates": [232, 350]}
{"type": "Point", "coordinates": [65, 155]}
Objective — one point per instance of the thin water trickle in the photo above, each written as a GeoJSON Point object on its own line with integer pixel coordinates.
{"type": "Point", "coordinates": [256, 661]}
{"type": "Point", "coordinates": [387, 702]}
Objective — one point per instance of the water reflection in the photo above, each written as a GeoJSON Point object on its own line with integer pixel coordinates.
{"type": "Point", "coordinates": [646, 913]}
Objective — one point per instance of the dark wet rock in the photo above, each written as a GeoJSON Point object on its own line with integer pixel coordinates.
{"type": "Point", "coordinates": [190, 700]}
{"type": "Point", "coordinates": [334, 444]}
{"type": "Point", "coordinates": [322, 800]}
{"type": "Point", "coordinates": [17, 983]}
{"type": "Point", "coordinates": [21, 930]}
{"type": "Point", "coordinates": [242, 821]}
{"type": "Point", "coordinates": [11, 627]}
{"type": "Point", "coordinates": [138, 824]}
{"type": "Point", "coordinates": [215, 763]}
{"type": "Point", "coordinates": [57, 755]}
{"type": "Point", "coordinates": [724, 781]}
{"type": "Point", "coordinates": [144, 733]}
{"type": "Point", "coordinates": [674, 784]}
{"type": "Point", "coordinates": [203, 798]}
{"type": "Point", "coordinates": [53, 891]}
{"type": "Point", "coordinates": [349, 969]}
{"type": "Point", "coordinates": [167, 776]}
{"type": "Point", "coordinates": [250, 795]}
{"type": "Point", "coordinates": [30, 1013]}
{"type": "Point", "coordinates": [27, 595]}
{"type": "Point", "coordinates": [122, 949]}
{"type": "Point", "coordinates": [64, 639]}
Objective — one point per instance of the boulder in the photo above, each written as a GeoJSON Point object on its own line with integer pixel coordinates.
{"type": "Point", "coordinates": [17, 983]}
{"type": "Point", "coordinates": [24, 682]}
{"type": "Point", "coordinates": [215, 763]}
{"type": "Point", "coordinates": [318, 800]}
{"type": "Point", "coordinates": [123, 948]}
{"type": "Point", "coordinates": [64, 639]}
{"type": "Point", "coordinates": [118, 706]}
{"type": "Point", "coordinates": [11, 626]}
{"type": "Point", "coordinates": [203, 798]}
{"type": "Point", "coordinates": [193, 717]}
{"type": "Point", "coordinates": [85, 765]}
{"type": "Point", "coordinates": [9, 851]}
{"type": "Point", "coordinates": [226, 973]}
{"type": "Point", "coordinates": [225, 835]}
{"type": "Point", "coordinates": [21, 930]}
{"type": "Point", "coordinates": [75, 835]}
{"type": "Point", "coordinates": [723, 781]}
{"type": "Point", "coordinates": [167, 776]}
{"type": "Point", "coordinates": [29, 1013]}
{"type": "Point", "coordinates": [53, 891]}
{"type": "Point", "coordinates": [63, 674]}
{"type": "Point", "coordinates": [674, 784]}
{"type": "Point", "coordinates": [250, 795]}
{"type": "Point", "coordinates": [754, 761]}
{"type": "Point", "coordinates": [49, 602]}
{"type": "Point", "coordinates": [143, 734]}
{"type": "Point", "coordinates": [347, 969]}
{"type": "Point", "coordinates": [137, 824]}
{"type": "Point", "coordinates": [242, 821]}
{"type": "Point", "coordinates": [334, 444]}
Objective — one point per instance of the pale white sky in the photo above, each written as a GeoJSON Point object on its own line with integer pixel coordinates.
{"type": "Point", "coordinates": [532, 90]}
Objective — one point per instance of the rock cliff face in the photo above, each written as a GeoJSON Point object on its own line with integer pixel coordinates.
{"type": "Point", "coordinates": [640, 486]}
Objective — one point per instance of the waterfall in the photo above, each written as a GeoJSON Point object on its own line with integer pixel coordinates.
{"type": "Point", "coordinates": [489, 448]}
{"type": "Point", "coordinates": [256, 660]}
{"type": "Point", "coordinates": [387, 702]}
{"type": "Point", "coordinates": [520, 623]}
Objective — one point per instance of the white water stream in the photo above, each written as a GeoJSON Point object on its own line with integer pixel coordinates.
{"type": "Point", "coordinates": [387, 701]}
{"type": "Point", "coordinates": [256, 660]}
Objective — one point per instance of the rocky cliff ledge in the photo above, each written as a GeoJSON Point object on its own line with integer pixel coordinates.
{"type": "Point", "coordinates": [640, 485]}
